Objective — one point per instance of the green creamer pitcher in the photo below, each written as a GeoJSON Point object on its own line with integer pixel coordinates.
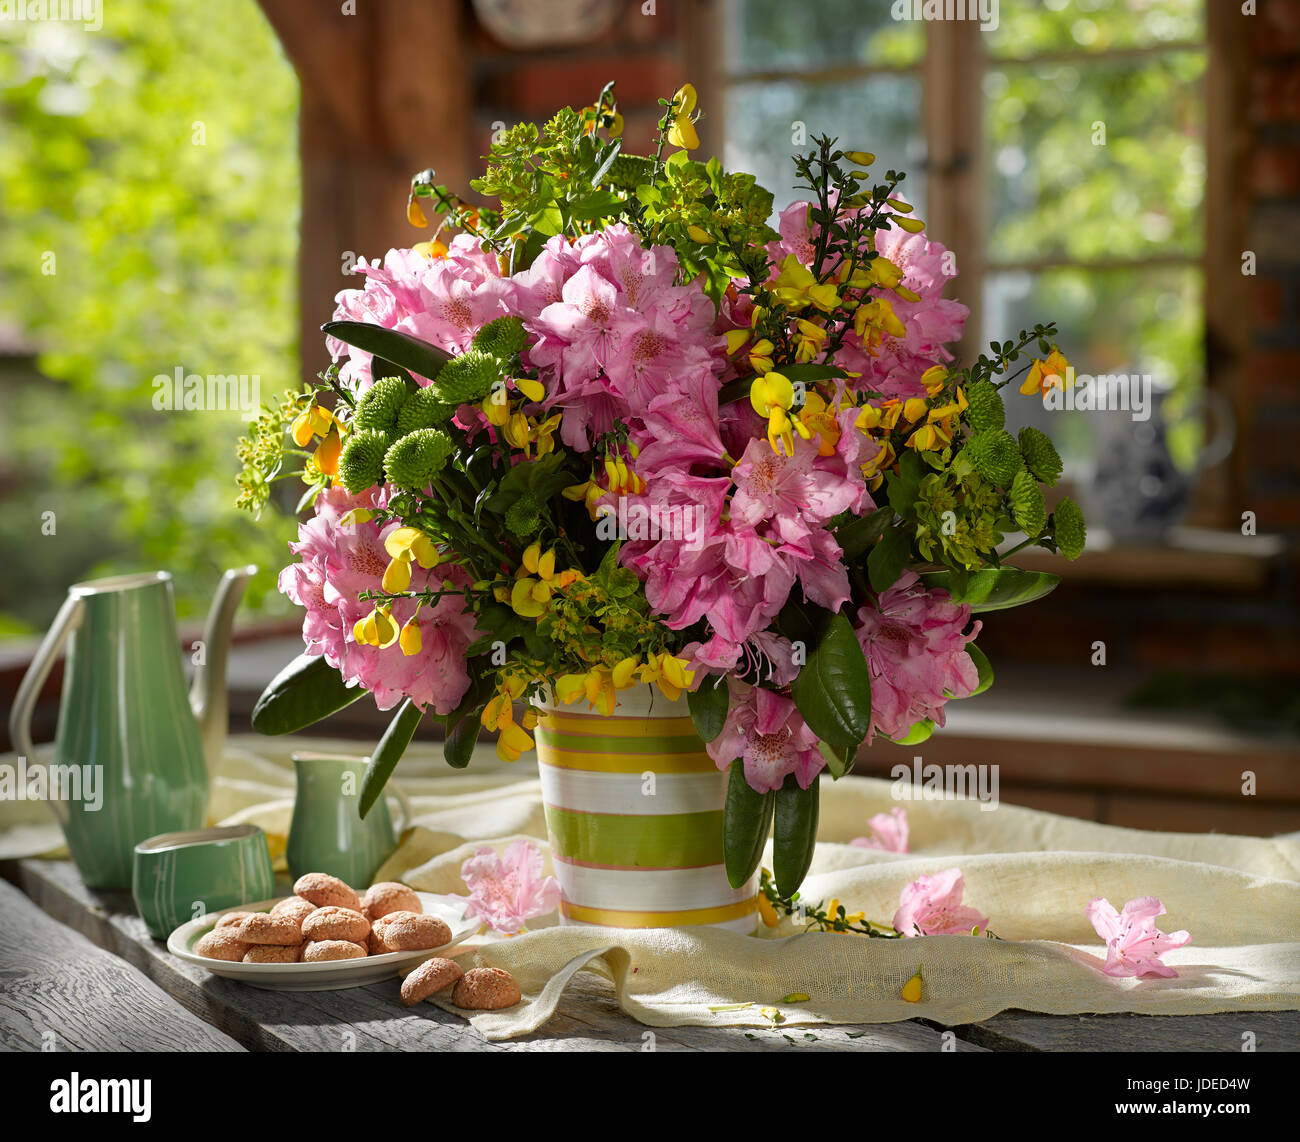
{"type": "Point", "coordinates": [133, 748]}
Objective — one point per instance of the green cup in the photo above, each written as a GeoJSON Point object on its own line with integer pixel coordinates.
{"type": "Point", "coordinates": [177, 877]}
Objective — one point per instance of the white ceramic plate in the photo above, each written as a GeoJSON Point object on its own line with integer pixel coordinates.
{"type": "Point", "coordinates": [331, 975]}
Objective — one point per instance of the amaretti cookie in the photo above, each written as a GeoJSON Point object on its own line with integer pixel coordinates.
{"type": "Point", "coordinates": [263, 928]}
{"type": "Point", "coordinates": [273, 954]}
{"type": "Point", "coordinates": [432, 975]}
{"type": "Point", "coordinates": [389, 896]}
{"type": "Point", "coordinates": [324, 890]}
{"type": "Point", "coordinates": [221, 944]}
{"type": "Point", "coordinates": [411, 932]}
{"type": "Point", "coordinates": [486, 989]}
{"type": "Point", "coordinates": [319, 950]}
{"type": "Point", "coordinates": [334, 923]}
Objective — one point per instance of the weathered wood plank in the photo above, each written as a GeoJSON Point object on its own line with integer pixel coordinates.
{"type": "Point", "coordinates": [371, 1018]}
{"type": "Point", "coordinates": [58, 992]}
{"type": "Point", "coordinates": [1228, 1031]}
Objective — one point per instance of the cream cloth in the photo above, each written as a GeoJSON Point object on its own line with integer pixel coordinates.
{"type": "Point", "coordinates": [1031, 873]}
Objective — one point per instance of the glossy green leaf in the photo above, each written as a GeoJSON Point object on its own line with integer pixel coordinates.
{"type": "Point", "coordinates": [391, 344]}
{"type": "Point", "coordinates": [389, 752]}
{"type": "Point", "coordinates": [746, 822]}
{"type": "Point", "coordinates": [858, 535]}
{"type": "Point", "coordinates": [708, 704]}
{"type": "Point", "coordinates": [888, 559]}
{"type": "Point", "coordinates": [461, 740]}
{"type": "Point", "coordinates": [303, 693]}
{"type": "Point", "coordinates": [984, 667]}
{"type": "Point", "coordinates": [917, 734]}
{"type": "Point", "coordinates": [794, 834]}
{"type": "Point", "coordinates": [839, 761]}
{"type": "Point", "coordinates": [833, 690]}
{"type": "Point", "coordinates": [993, 588]}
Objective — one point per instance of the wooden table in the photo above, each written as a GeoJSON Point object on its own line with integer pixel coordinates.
{"type": "Point", "coordinates": [80, 972]}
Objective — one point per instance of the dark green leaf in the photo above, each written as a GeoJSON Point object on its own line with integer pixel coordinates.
{"type": "Point", "coordinates": [747, 819]}
{"type": "Point", "coordinates": [461, 739]}
{"type": "Point", "coordinates": [389, 752]}
{"type": "Point", "coordinates": [794, 833]}
{"type": "Point", "coordinates": [889, 558]}
{"type": "Point", "coordinates": [303, 693]}
{"type": "Point", "coordinates": [833, 690]}
{"type": "Point", "coordinates": [856, 537]}
{"type": "Point", "coordinates": [390, 344]}
{"type": "Point", "coordinates": [838, 760]}
{"type": "Point", "coordinates": [708, 704]}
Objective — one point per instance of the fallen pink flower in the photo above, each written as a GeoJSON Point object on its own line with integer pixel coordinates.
{"type": "Point", "coordinates": [931, 906]}
{"type": "Point", "coordinates": [1134, 944]}
{"type": "Point", "coordinates": [509, 890]}
{"type": "Point", "coordinates": [889, 832]}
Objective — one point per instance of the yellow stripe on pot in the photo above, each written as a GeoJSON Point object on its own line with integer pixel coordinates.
{"type": "Point", "coordinates": [616, 918]}
{"type": "Point", "coordinates": [616, 727]}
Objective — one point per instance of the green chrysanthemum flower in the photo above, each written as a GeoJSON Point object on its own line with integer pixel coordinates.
{"type": "Point", "coordinates": [627, 172]}
{"type": "Point", "coordinates": [1070, 530]}
{"type": "Point", "coordinates": [502, 337]}
{"type": "Point", "coordinates": [415, 459]}
{"type": "Point", "coordinates": [1040, 455]}
{"type": "Point", "coordinates": [379, 404]}
{"type": "Point", "coordinates": [361, 463]}
{"type": "Point", "coordinates": [423, 409]}
{"type": "Point", "coordinates": [524, 516]}
{"type": "Point", "coordinates": [468, 378]}
{"type": "Point", "coordinates": [1027, 503]}
{"type": "Point", "coordinates": [986, 411]}
{"type": "Point", "coordinates": [996, 456]}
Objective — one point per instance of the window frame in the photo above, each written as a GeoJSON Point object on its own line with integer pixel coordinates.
{"type": "Point", "coordinates": [951, 72]}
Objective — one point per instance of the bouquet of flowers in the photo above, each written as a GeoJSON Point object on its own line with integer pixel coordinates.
{"type": "Point", "coordinates": [618, 430]}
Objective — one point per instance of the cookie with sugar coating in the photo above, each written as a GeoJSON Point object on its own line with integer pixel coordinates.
{"type": "Point", "coordinates": [486, 989]}
{"type": "Point", "coordinates": [321, 889]}
{"type": "Point", "coordinates": [221, 944]}
{"type": "Point", "coordinates": [411, 932]}
{"type": "Point", "coordinates": [263, 928]}
{"type": "Point", "coordinates": [334, 923]}
{"type": "Point", "coordinates": [294, 906]}
{"type": "Point", "coordinates": [389, 896]}
{"type": "Point", "coordinates": [433, 975]}
{"type": "Point", "coordinates": [319, 951]}
{"type": "Point", "coordinates": [273, 954]}
{"type": "Point", "coordinates": [230, 919]}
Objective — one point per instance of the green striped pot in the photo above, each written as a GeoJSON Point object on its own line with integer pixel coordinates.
{"type": "Point", "coordinates": [634, 811]}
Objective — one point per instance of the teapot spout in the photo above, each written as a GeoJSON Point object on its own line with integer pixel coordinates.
{"type": "Point", "coordinates": [208, 697]}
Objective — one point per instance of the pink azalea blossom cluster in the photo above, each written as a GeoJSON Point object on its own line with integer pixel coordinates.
{"type": "Point", "coordinates": [615, 339]}
{"type": "Point", "coordinates": [338, 560]}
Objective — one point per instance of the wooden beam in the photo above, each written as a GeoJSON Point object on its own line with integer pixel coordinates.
{"type": "Point", "coordinates": [385, 93]}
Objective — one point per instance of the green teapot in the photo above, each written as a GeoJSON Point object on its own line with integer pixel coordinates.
{"type": "Point", "coordinates": [133, 749]}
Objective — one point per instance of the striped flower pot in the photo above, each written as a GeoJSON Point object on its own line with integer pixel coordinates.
{"type": "Point", "coordinates": [634, 810]}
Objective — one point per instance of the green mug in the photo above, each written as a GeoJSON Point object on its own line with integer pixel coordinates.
{"type": "Point", "coordinates": [178, 877]}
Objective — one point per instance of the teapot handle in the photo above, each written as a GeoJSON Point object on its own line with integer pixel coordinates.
{"type": "Point", "coordinates": [66, 621]}
{"type": "Point", "coordinates": [403, 805]}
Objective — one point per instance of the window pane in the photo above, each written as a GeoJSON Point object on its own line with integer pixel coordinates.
{"type": "Point", "coordinates": [1137, 190]}
{"type": "Point", "coordinates": [777, 35]}
{"type": "Point", "coordinates": [880, 114]}
{"type": "Point", "coordinates": [1030, 27]}
{"type": "Point", "coordinates": [1110, 321]}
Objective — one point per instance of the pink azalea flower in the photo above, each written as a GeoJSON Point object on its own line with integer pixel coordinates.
{"type": "Point", "coordinates": [915, 646]}
{"type": "Point", "coordinates": [1134, 944]}
{"type": "Point", "coordinates": [764, 729]}
{"type": "Point", "coordinates": [889, 832]}
{"type": "Point", "coordinates": [771, 484]}
{"type": "Point", "coordinates": [931, 906]}
{"type": "Point", "coordinates": [338, 562]}
{"type": "Point", "coordinates": [509, 890]}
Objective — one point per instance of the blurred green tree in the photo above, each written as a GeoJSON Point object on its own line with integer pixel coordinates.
{"type": "Point", "coordinates": [149, 186]}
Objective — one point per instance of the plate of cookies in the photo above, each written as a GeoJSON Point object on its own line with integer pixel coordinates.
{"type": "Point", "coordinates": [325, 936]}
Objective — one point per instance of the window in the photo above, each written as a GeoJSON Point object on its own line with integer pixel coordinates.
{"type": "Point", "coordinates": [1062, 156]}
